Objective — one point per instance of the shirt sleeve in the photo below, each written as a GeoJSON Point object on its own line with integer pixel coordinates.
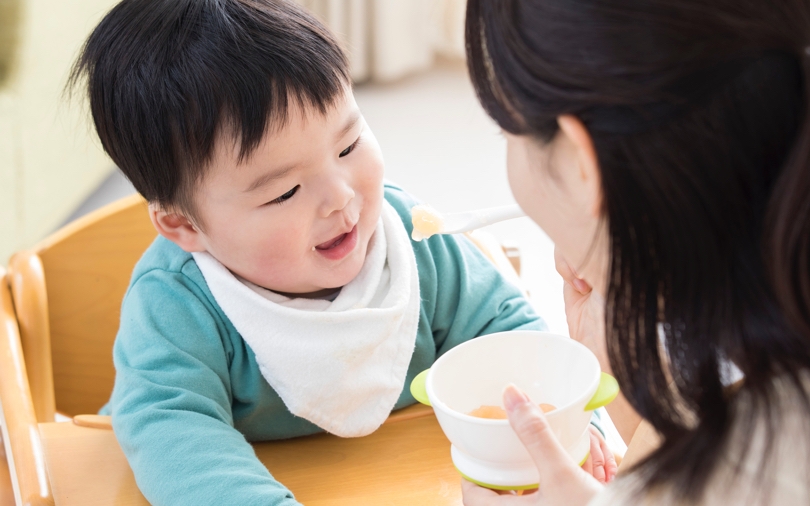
{"type": "Point", "coordinates": [171, 405]}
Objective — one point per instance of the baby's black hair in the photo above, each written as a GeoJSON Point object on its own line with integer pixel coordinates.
{"type": "Point", "coordinates": [166, 77]}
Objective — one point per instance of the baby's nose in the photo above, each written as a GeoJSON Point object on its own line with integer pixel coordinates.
{"type": "Point", "coordinates": [337, 196]}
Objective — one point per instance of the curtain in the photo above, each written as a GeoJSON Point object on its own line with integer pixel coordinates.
{"type": "Point", "coordinates": [389, 39]}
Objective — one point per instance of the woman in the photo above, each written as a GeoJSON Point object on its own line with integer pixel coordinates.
{"type": "Point", "coordinates": [663, 145]}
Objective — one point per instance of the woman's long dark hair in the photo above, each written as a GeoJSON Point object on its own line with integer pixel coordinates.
{"type": "Point", "coordinates": [698, 110]}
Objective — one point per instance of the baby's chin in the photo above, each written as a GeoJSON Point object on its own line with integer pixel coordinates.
{"type": "Point", "coordinates": [347, 272]}
{"type": "Point", "coordinates": [327, 282]}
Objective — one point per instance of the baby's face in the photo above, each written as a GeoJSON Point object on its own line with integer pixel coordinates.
{"type": "Point", "coordinates": [296, 217]}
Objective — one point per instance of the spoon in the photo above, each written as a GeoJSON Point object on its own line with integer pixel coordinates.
{"type": "Point", "coordinates": [427, 221]}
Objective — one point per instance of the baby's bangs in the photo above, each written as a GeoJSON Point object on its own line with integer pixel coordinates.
{"type": "Point", "coordinates": [249, 117]}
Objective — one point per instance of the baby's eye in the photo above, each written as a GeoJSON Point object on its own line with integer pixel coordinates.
{"type": "Point", "coordinates": [287, 196]}
{"type": "Point", "coordinates": [349, 149]}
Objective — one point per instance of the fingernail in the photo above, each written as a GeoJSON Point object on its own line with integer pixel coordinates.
{"type": "Point", "coordinates": [513, 398]}
{"type": "Point", "coordinates": [581, 285]}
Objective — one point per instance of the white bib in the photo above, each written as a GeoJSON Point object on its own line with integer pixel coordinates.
{"type": "Point", "coordinates": [339, 364]}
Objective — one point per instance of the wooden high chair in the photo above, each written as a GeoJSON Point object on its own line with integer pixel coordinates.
{"type": "Point", "coordinates": [67, 293]}
{"type": "Point", "coordinates": [60, 304]}
{"type": "Point", "coordinates": [23, 478]}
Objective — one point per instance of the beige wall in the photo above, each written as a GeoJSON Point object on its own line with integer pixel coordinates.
{"type": "Point", "coordinates": [387, 40]}
{"type": "Point", "coordinates": [50, 158]}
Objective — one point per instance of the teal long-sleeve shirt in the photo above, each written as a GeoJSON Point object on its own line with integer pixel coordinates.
{"type": "Point", "coordinates": [189, 397]}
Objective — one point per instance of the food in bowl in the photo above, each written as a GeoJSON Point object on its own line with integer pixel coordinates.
{"type": "Point", "coordinates": [498, 413]}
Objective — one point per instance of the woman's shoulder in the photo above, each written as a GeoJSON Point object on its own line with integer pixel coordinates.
{"type": "Point", "coordinates": [741, 478]}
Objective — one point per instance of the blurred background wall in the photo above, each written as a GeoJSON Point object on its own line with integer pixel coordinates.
{"type": "Point", "coordinates": [49, 161]}
{"type": "Point", "coordinates": [389, 39]}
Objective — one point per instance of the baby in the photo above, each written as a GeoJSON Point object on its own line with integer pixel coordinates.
{"type": "Point", "coordinates": [283, 296]}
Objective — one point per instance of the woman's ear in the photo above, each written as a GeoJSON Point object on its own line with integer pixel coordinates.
{"type": "Point", "coordinates": [590, 176]}
{"type": "Point", "coordinates": [176, 228]}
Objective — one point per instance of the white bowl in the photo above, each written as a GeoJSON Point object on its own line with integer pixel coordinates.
{"type": "Point", "coordinates": [551, 369]}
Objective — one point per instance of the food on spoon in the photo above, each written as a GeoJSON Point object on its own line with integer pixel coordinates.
{"type": "Point", "coordinates": [426, 222]}
{"type": "Point", "coordinates": [498, 413]}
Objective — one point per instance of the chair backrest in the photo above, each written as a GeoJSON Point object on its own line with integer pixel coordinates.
{"type": "Point", "coordinates": [67, 293]}
{"type": "Point", "coordinates": [24, 471]}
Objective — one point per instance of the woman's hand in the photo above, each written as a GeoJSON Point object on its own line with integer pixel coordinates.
{"type": "Point", "coordinates": [584, 311]}
{"type": "Point", "coordinates": [601, 464]}
{"type": "Point", "coordinates": [562, 482]}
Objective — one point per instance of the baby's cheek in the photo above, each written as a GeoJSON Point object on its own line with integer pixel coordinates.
{"type": "Point", "coordinates": [372, 203]}
{"type": "Point", "coordinates": [282, 255]}
{"type": "Point", "coordinates": [283, 273]}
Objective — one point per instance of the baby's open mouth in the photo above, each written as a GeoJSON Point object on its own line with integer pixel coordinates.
{"type": "Point", "coordinates": [338, 247]}
{"type": "Point", "coordinates": [334, 242]}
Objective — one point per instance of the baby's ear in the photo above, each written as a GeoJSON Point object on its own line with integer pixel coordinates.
{"type": "Point", "coordinates": [176, 228]}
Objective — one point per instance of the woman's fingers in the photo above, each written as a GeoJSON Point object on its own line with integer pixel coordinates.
{"type": "Point", "coordinates": [601, 463]}
{"type": "Point", "coordinates": [596, 459]}
{"type": "Point", "coordinates": [533, 430]}
{"type": "Point", "coordinates": [611, 467]}
{"type": "Point", "coordinates": [562, 482]}
{"type": "Point", "coordinates": [588, 465]}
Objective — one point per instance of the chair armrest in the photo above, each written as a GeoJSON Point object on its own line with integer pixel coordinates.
{"type": "Point", "coordinates": [26, 280]}
{"type": "Point", "coordinates": [20, 430]}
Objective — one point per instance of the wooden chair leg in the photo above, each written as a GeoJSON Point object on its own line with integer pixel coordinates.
{"type": "Point", "coordinates": [6, 488]}
{"type": "Point", "coordinates": [19, 421]}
